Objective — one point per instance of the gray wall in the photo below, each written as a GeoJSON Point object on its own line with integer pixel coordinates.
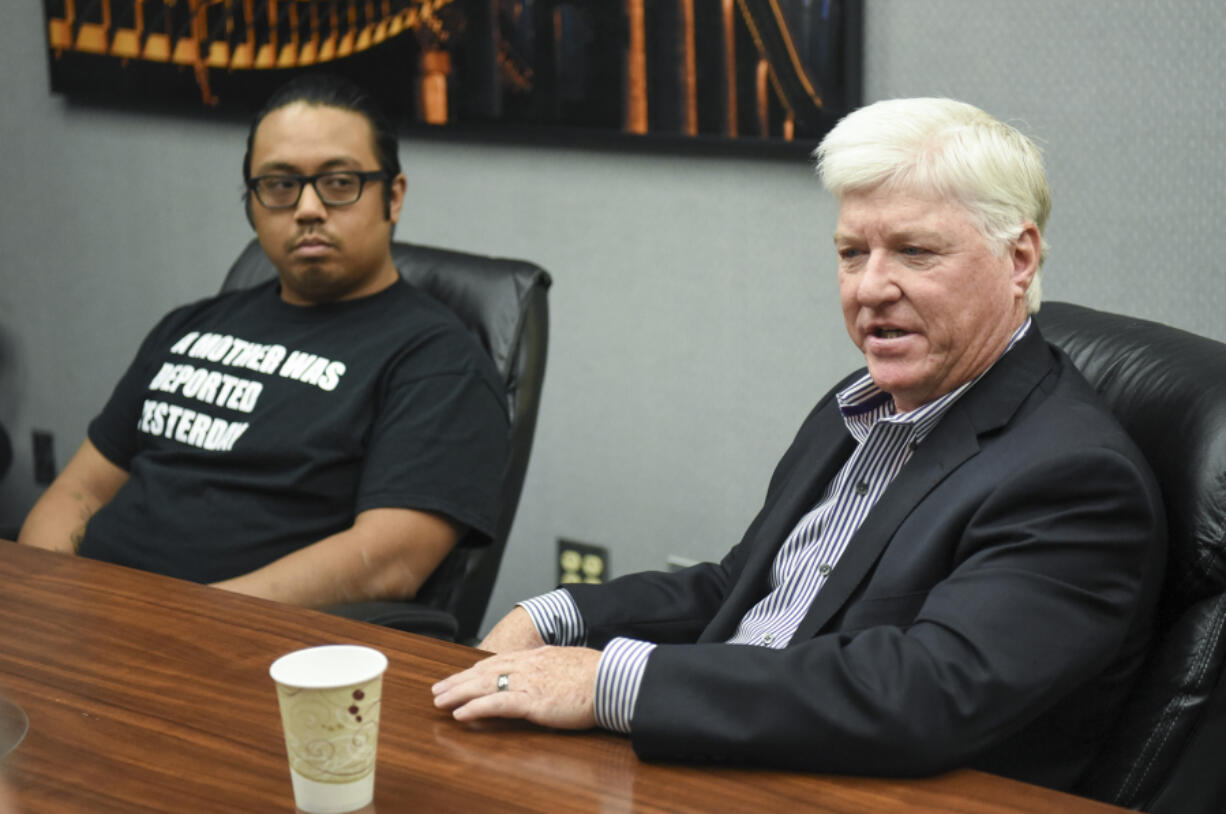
{"type": "Point", "coordinates": [694, 321]}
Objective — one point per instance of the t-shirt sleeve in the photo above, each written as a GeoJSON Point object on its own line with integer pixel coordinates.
{"type": "Point", "coordinates": [439, 443]}
{"type": "Point", "coordinates": [114, 430]}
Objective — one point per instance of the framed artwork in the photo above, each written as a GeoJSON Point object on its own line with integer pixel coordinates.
{"type": "Point", "coordinates": [757, 73]}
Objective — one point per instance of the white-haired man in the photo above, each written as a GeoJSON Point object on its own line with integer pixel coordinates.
{"type": "Point", "coordinates": [958, 557]}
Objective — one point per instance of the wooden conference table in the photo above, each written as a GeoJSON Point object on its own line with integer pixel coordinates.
{"type": "Point", "coordinates": [147, 694]}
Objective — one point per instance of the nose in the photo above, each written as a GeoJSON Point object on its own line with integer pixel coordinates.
{"type": "Point", "coordinates": [877, 285]}
{"type": "Point", "coordinates": [310, 207]}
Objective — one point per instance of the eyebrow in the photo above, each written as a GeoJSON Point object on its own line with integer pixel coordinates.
{"type": "Point", "coordinates": [902, 236]}
{"type": "Point", "coordinates": [345, 163]}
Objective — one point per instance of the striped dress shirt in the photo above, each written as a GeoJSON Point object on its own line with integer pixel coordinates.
{"type": "Point", "coordinates": [885, 441]}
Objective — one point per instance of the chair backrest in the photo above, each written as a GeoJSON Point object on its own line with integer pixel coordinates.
{"type": "Point", "coordinates": [504, 303]}
{"type": "Point", "coordinates": [1167, 387]}
{"type": "Point", "coordinates": [6, 452]}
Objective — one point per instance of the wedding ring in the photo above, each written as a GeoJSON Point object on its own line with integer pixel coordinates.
{"type": "Point", "coordinates": [503, 682]}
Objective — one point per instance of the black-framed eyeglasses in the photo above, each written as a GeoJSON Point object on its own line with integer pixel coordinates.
{"type": "Point", "coordinates": [341, 188]}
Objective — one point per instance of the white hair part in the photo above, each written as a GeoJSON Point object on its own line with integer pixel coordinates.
{"type": "Point", "coordinates": [949, 148]}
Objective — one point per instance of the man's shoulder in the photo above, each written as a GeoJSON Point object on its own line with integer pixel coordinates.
{"type": "Point", "coordinates": [1071, 405]}
{"type": "Point", "coordinates": [1060, 390]}
{"type": "Point", "coordinates": [401, 311]}
{"type": "Point", "coordinates": [1062, 418]}
{"type": "Point", "coordinates": [419, 336]}
{"type": "Point", "coordinates": [1035, 378]}
{"type": "Point", "coordinates": [191, 311]}
{"type": "Point", "coordinates": [419, 306]}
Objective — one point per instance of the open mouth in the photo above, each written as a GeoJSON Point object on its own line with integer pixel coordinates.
{"type": "Point", "coordinates": [888, 333]}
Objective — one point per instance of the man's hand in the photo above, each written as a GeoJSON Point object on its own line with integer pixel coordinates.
{"type": "Point", "coordinates": [550, 686]}
{"type": "Point", "coordinates": [513, 632]}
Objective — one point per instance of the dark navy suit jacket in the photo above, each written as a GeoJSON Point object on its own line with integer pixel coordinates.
{"type": "Point", "coordinates": [991, 611]}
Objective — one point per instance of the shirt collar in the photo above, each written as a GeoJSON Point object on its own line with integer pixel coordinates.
{"type": "Point", "coordinates": [863, 403]}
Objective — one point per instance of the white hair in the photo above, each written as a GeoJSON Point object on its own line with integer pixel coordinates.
{"type": "Point", "coordinates": [950, 148]}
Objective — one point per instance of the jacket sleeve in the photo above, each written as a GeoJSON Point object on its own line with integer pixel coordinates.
{"type": "Point", "coordinates": [1049, 576]}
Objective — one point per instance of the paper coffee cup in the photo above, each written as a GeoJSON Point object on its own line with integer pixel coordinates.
{"type": "Point", "coordinates": [329, 698]}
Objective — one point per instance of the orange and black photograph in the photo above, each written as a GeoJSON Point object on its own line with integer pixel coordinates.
{"type": "Point", "coordinates": [750, 71]}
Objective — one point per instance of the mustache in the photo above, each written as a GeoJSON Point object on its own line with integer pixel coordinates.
{"type": "Point", "coordinates": [310, 236]}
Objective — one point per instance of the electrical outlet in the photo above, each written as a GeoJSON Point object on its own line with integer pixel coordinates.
{"type": "Point", "coordinates": [44, 457]}
{"type": "Point", "coordinates": [582, 562]}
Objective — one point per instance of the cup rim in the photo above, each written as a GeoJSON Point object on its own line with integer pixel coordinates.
{"type": "Point", "coordinates": [370, 664]}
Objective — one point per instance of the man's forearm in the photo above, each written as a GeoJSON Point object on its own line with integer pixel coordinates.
{"type": "Point", "coordinates": [332, 571]}
{"type": "Point", "coordinates": [387, 554]}
{"type": "Point", "coordinates": [88, 482]}
{"type": "Point", "coordinates": [57, 521]}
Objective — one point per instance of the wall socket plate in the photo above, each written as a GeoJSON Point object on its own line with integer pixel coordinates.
{"type": "Point", "coordinates": [582, 562]}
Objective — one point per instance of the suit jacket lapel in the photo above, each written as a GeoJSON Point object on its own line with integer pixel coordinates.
{"type": "Point", "coordinates": [802, 488]}
{"type": "Point", "coordinates": [987, 406]}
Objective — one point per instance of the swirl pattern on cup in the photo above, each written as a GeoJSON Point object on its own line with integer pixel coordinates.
{"type": "Point", "coordinates": [331, 735]}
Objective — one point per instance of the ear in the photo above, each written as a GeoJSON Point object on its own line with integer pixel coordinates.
{"type": "Point", "coordinates": [396, 189]}
{"type": "Point", "coordinates": [1027, 250]}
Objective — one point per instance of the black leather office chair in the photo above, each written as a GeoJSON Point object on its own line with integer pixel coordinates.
{"type": "Point", "coordinates": [504, 303]}
{"type": "Point", "coordinates": [6, 452]}
{"type": "Point", "coordinates": [1168, 389]}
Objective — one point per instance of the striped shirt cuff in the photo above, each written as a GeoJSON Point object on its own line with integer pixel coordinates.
{"type": "Point", "coordinates": [557, 618]}
{"type": "Point", "coordinates": [618, 678]}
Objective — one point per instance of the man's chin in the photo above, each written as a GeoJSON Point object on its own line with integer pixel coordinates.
{"type": "Point", "coordinates": [893, 378]}
{"type": "Point", "coordinates": [312, 284]}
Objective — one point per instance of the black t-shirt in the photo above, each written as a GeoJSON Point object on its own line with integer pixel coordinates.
{"type": "Point", "coordinates": [251, 428]}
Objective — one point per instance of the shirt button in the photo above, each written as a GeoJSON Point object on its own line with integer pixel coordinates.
{"type": "Point", "coordinates": [862, 488]}
{"type": "Point", "coordinates": [767, 638]}
{"type": "Point", "coordinates": [824, 569]}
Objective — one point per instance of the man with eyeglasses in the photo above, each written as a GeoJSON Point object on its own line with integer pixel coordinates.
{"type": "Point", "coordinates": [326, 437]}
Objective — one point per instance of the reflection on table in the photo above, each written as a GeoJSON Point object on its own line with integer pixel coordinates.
{"type": "Point", "coordinates": [147, 694]}
{"type": "Point", "coordinates": [13, 726]}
